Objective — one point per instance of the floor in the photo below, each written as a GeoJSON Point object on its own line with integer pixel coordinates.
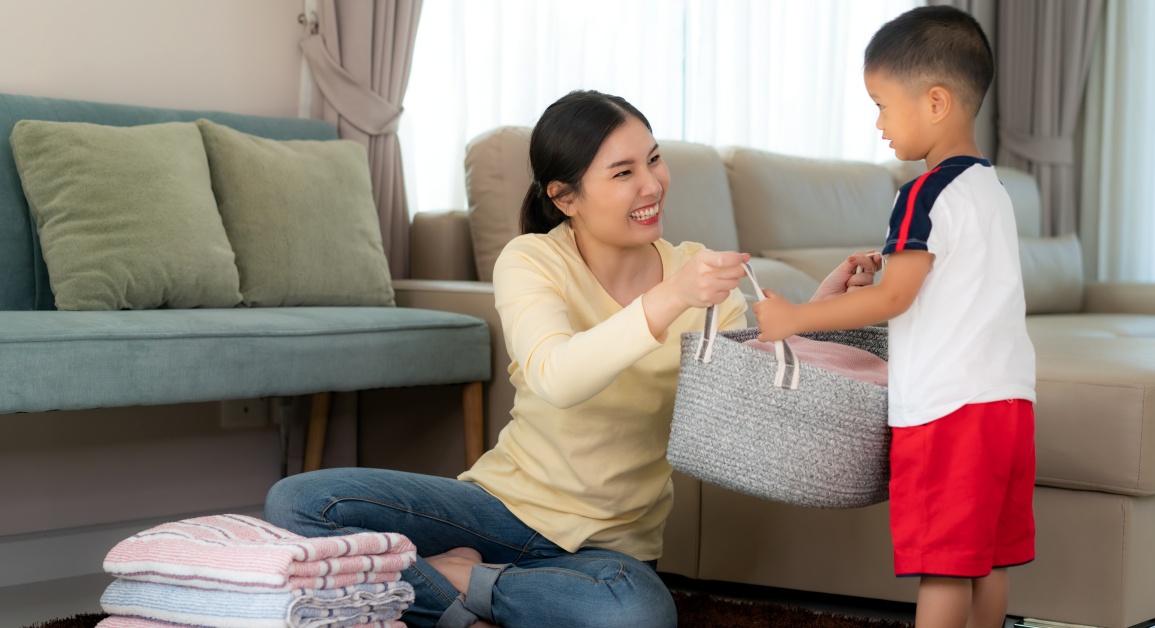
{"type": "Point", "coordinates": [27, 604]}
{"type": "Point", "coordinates": [841, 604]}
{"type": "Point", "coordinates": [31, 603]}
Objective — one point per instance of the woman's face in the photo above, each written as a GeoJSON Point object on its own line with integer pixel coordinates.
{"type": "Point", "coordinates": [623, 190]}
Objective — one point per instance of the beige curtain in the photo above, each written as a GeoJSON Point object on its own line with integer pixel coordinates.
{"type": "Point", "coordinates": [359, 53]}
{"type": "Point", "coordinates": [1044, 51]}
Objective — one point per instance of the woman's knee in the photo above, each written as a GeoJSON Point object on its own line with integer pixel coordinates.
{"type": "Point", "coordinates": [295, 503]}
{"type": "Point", "coordinates": [625, 594]}
{"type": "Point", "coordinates": [645, 606]}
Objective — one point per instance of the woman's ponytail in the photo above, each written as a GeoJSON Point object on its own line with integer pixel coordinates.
{"type": "Point", "coordinates": [538, 212]}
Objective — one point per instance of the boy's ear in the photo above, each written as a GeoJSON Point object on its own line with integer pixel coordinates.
{"type": "Point", "coordinates": [941, 102]}
{"type": "Point", "coordinates": [561, 196]}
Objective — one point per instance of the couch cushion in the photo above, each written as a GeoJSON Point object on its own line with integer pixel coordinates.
{"type": "Point", "coordinates": [1052, 269]}
{"type": "Point", "coordinates": [125, 215]}
{"type": "Point", "coordinates": [783, 202]}
{"type": "Point", "coordinates": [698, 206]}
{"type": "Point", "coordinates": [301, 217]}
{"type": "Point", "coordinates": [1096, 401]}
{"type": "Point", "coordinates": [146, 357]}
{"type": "Point", "coordinates": [1052, 274]}
{"type": "Point", "coordinates": [497, 177]}
{"type": "Point", "coordinates": [24, 283]}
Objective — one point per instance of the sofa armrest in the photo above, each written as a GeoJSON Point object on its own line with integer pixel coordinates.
{"type": "Point", "coordinates": [441, 246]}
{"type": "Point", "coordinates": [1119, 298]}
{"type": "Point", "coordinates": [476, 299]}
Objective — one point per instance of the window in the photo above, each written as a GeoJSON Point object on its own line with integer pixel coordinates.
{"type": "Point", "coordinates": [779, 75]}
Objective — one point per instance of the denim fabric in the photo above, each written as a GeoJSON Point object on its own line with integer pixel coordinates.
{"type": "Point", "coordinates": [537, 583]}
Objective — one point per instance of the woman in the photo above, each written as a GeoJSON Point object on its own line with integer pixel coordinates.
{"type": "Point", "coordinates": [560, 524]}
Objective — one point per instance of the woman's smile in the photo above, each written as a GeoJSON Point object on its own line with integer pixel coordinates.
{"type": "Point", "coordinates": [648, 215]}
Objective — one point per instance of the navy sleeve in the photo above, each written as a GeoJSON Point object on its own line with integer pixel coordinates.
{"type": "Point", "coordinates": [910, 221]}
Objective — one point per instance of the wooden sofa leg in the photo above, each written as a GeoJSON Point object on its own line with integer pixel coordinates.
{"type": "Point", "coordinates": [474, 423]}
{"type": "Point", "coordinates": [315, 434]}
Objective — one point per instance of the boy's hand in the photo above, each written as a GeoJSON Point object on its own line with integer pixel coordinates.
{"type": "Point", "coordinates": [854, 273]}
{"type": "Point", "coordinates": [775, 317]}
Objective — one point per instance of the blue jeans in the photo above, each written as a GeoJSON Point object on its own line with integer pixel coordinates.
{"type": "Point", "coordinates": [524, 580]}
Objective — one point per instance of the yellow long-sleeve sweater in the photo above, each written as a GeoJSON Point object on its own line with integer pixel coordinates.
{"type": "Point", "coordinates": [583, 461]}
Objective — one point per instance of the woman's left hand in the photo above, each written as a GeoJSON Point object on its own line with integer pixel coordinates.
{"type": "Point", "coordinates": [854, 273]}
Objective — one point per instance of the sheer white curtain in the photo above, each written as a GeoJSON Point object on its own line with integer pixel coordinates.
{"type": "Point", "coordinates": [780, 75]}
{"type": "Point", "coordinates": [1117, 221]}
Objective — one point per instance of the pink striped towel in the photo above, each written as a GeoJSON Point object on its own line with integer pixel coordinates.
{"type": "Point", "coordinates": [836, 357]}
{"type": "Point", "coordinates": [241, 553]}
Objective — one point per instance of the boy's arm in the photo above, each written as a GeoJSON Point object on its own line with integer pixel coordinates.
{"type": "Point", "coordinates": [870, 305]}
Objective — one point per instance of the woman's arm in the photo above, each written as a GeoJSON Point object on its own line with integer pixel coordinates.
{"type": "Point", "coordinates": [567, 367]}
{"type": "Point", "coordinates": [561, 365]}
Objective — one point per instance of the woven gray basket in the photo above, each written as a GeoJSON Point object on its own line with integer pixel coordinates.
{"type": "Point", "coordinates": [739, 425]}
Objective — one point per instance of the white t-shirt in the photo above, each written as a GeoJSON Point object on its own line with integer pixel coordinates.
{"type": "Point", "coordinates": [964, 339]}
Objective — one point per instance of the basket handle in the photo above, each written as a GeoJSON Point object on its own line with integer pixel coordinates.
{"type": "Point", "coordinates": [782, 351]}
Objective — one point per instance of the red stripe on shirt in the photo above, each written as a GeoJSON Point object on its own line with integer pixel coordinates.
{"type": "Point", "coordinates": [904, 230]}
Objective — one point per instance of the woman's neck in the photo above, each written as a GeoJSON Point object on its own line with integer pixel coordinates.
{"type": "Point", "coordinates": [624, 273]}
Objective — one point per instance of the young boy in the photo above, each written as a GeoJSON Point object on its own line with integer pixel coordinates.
{"type": "Point", "coordinates": [962, 369]}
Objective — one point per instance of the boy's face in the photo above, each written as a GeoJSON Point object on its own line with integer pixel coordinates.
{"type": "Point", "coordinates": [902, 116]}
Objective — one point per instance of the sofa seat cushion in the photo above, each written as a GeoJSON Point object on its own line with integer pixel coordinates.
{"type": "Point", "coordinates": [71, 360]}
{"type": "Point", "coordinates": [1096, 401]}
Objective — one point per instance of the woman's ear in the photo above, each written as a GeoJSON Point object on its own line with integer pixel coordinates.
{"type": "Point", "coordinates": [561, 195]}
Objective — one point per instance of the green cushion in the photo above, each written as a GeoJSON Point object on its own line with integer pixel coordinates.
{"type": "Point", "coordinates": [73, 360]}
{"type": "Point", "coordinates": [125, 215]}
{"type": "Point", "coordinates": [300, 216]}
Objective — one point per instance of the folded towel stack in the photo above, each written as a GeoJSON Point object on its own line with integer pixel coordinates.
{"type": "Point", "coordinates": [233, 571]}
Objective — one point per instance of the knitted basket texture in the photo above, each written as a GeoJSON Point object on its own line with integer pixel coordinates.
{"type": "Point", "coordinates": [824, 445]}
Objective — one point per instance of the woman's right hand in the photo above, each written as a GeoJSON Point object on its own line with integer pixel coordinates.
{"type": "Point", "coordinates": [707, 279]}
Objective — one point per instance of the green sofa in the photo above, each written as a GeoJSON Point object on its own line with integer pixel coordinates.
{"type": "Point", "coordinates": [64, 360]}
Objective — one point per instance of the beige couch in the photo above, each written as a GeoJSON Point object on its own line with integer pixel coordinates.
{"type": "Point", "coordinates": [1095, 497]}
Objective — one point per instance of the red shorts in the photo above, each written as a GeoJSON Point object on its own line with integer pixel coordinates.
{"type": "Point", "coordinates": [961, 489]}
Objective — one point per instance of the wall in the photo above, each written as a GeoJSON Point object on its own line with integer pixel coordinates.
{"type": "Point", "coordinates": [193, 54]}
{"type": "Point", "coordinates": [75, 482]}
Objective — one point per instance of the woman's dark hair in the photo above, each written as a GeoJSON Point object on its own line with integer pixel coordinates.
{"type": "Point", "coordinates": [563, 144]}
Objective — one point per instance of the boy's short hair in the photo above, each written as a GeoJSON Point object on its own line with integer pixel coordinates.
{"type": "Point", "coordinates": [935, 45]}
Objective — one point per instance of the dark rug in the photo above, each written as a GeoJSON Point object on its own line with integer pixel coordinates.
{"type": "Point", "coordinates": [694, 609]}
{"type": "Point", "coordinates": [701, 609]}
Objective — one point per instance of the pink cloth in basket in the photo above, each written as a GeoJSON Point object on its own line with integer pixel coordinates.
{"type": "Point", "coordinates": [241, 553]}
{"type": "Point", "coordinates": [835, 357]}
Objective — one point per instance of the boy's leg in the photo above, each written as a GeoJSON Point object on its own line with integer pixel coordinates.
{"type": "Point", "coordinates": [989, 600]}
{"type": "Point", "coordinates": [943, 603]}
